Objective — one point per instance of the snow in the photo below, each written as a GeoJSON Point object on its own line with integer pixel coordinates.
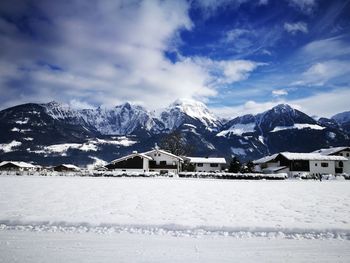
{"type": "Point", "coordinates": [312, 156]}
{"type": "Point", "coordinates": [97, 163]}
{"type": "Point", "coordinates": [56, 247]}
{"type": "Point", "coordinates": [185, 205]}
{"type": "Point", "coordinates": [79, 219]}
{"type": "Point", "coordinates": [238, 129]}
{"type": "Point", "coordinates": [238, 151]}
{"type": "Point", "coordinates": [8, 147]}
{"type": "Point", "coordinates": [122, 140]}
{"type": "Point", "coordinates": [28, 139]}
{"type": "Point", "coordinates": [332, 150]}
{"type": "Point", "coordinates": [71, 166]}
{"type": "Point", "coordinates": [206, 160]}
{"type": "Point", "coordinates": [298, 126]}
{"type": "Point", "coordinates": [25, 121]}
{"type": "Point", "coordinates": [19, 164]}
{"type": "Point", "coordinates": [196, 110]}
{"type": "Point", "coordinates": [331, 135]}
{"type": "Point", "coordinates": [266, 159]}
{"type": "Point", "coordinates": [89, 146]}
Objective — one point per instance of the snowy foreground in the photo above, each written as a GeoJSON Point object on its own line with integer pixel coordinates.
{"type": "Point", "coordinates": [166, 219]}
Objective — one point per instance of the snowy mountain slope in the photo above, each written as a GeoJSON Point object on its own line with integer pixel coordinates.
{"type": "Point", "coordinates": [37, 131]}
{"type": "Point", "coordinates": [121, 120]}
{"type": "Point", "coordinates": [282, 128]}
{"type": "Point", "coordinates": [343, 119]}
{"type": "Point", "coordinates": [191, 112]}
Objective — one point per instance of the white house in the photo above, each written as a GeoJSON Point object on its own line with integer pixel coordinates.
{"type": "Point", "coordinates": [340, 166]}
{"type": "Point", "coordinates": [156, 160]}
{"type": "Point", "coordinates": [206, 164]}
{"type": "Point", "coordinates": [295, 163]}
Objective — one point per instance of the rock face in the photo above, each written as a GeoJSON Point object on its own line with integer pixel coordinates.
{"type": "Point", "coordinates": [55, 133]}
{"type": "Point", "coordinates": [343, 119]}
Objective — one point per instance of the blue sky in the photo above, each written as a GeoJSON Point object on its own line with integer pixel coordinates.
{"type": "Point", "coordinates": [238, 56]}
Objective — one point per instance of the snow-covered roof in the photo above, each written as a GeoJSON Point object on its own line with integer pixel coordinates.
{"type": "Point", "coordinates": [142, 155]}
{"type": "Point", "coordinates": [70, 166]}
{"type": "Point", "coordinates": [312, 157]}
{"type": "Point", "coordinates": [19, 164]}
{"type": "Point", "coordinates": [206, 160]}
{"type": "Point", "coordinates": [274, 169]}
{"type": "Point", "coordinates": [266, 159]}
{"type": "Point", "coordinates": [163, 152]}
{"type": "Point", "coordinates": [332, 150]}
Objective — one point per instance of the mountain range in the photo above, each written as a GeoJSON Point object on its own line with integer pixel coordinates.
{"type": "Point", "coordinates": [55, 133]}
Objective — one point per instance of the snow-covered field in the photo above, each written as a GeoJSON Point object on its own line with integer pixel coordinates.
{"type": "Point", "coordinates": [311, 213]}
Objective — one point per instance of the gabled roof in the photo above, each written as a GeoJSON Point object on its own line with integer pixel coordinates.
{"type": "Point", "coordinates": [70, 166]}
{"type": "Point", "coordinates": [142, 155]}
{"type": "Point", "coordinates": [163, 152]}
{"type": "Point", "coordinates": [274, 169]}
{"type": "Point", "coordinates": [332, 150]}
{"type": "Point", "coordinates": [311, 157]}
{"type": "Point", "coordinates": [206, 160]}
{"type": "Point", "coordinates": [266, 159]}
{"type": "Point", "coordinates": [19, 164]}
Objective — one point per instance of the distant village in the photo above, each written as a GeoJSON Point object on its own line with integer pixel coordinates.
{"type": "Point", "coordinates": [333, 161]}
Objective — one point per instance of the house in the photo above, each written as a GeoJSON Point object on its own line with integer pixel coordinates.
{"type": "Point", "coordinates": [296, 163]}
{"type": "Point", "coordinates": [206, 164]}
{"type": "Point", "coordinates": [66, 168]}
{"type": "Point", "coordinates": [340, 166]}
{"type": "Point", "coordinates": [17, 166]}
{"type": "Point", "coordinates": [156, 160]}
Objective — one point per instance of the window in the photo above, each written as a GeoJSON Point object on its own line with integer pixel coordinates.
{"type": "Point", "coordinates": [199, 164]}
{"type": "Point", "coordinates": [214, 165]}
{"type": "Point", "coordinates": [162, 162]}
{"type": "Point", "coordinates": [324, 164]}
{"type": "Point", "coordinates": [347, 154]}
{"type": "Point", "coordinates": [341, 164]}
{"type": "Point", "coordinates": [315, 164]}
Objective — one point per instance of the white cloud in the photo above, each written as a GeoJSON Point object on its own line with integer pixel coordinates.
{"type": "Point", "coordinates": [210, 7]}
{"type": "Point", "coordinates": [294, 28]}
{"type": "Point", "coordinates": [263, 2]}
{"type": "Point", "coordinates": [323, 104]}
{"type": "Point", "coordinates": [306, 6]}
{"type": "Point", "coordinates": [279, 92]}
{"type": "Point", "coordinates": [109, 53]}
{"type": "Point", "coordinates": [320, 73]}
{"type": "Point", "coordinates": [227, 71]}
{"type": "Point", "coordinates": [328, 48]}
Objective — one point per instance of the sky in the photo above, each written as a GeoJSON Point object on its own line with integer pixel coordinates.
{"type": "Point", "coordinates": [236, 56]}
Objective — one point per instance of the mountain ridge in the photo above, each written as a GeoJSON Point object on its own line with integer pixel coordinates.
{"type": "Point", "coordinates": [55, 131]}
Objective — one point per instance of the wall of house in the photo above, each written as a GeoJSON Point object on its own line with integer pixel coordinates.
{"type": "Point", "coordinates": [170, 160]}
{"type": "Point", "coordinates": [207, 168]}
{"type": "Point", "coordinates": [346, 164]}
{"type": "Point", "coordinates": [158, 157]}
{"type": "Point", "coordinates": [316, 167]}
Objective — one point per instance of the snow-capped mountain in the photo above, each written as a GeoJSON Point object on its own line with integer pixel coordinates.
{"type": "Point", "coordinates": [190, 112]}
{"type": "Point", "coordinates": [343, 119]}
{"type": "Point", "coordinates": [122, 120]}
{"type": "Point", "coordinates": [46, 133]}
{"type": "Point", "coordinates": [282, 128]}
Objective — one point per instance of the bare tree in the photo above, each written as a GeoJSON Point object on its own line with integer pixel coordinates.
{"type": "Point", "coordinates": [175, 143]}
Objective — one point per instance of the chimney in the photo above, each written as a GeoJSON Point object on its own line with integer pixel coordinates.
{"type": "Point", "coordinates": [134, 152]}
{"type": "Point", "coordinates": [156, 146]}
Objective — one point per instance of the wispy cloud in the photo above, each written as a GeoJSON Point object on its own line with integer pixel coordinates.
{"type": "Point", "coordinates": [306, 6]}
{"type": "Point", "coordinates": [279, 92]}
{"type": "Point", "coordinates": [320, 73]}
{"type": "Point", "coordinates": [294, 28]}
